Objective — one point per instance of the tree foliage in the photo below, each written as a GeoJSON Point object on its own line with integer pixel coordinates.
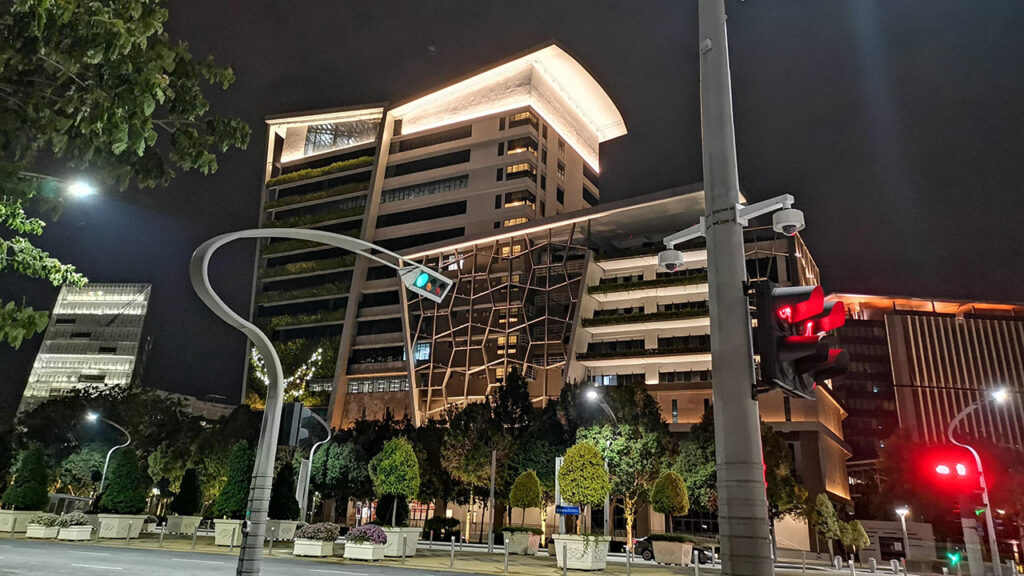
{"type": "Point", "coordinates": [466, 454]}
{"type": "Point", "coordinates": [80, 472]}
{"type": "Point", "coordinates": [785, 496]}
{"type": "Point", "coordinates": [582, 477]}
{"type": "Point", "coordinates": [103, 88]}
{"type": "Point", "coordinates": [395, 471]}
{"type": "Point", "coordinates": [853, 536]}
{"type": "Point", "coordinates": [825, 520]}
{"type": "Point", "coordinates": [28, 491]}
{"type": "Point", "coordinates": [189, 499]}
{"type": "Point", "coordinates": [283, 505]}
{"type": "Point", "coordinates": [233, 499]}
{"type": "Point", "coordinates": [525, 492]}
{"type": "Point", "coordinates": [669, 496]}
{"type": "Point", "coordinates": [696, 464]}
{"type": "Point", "coordinates": [126, 487]}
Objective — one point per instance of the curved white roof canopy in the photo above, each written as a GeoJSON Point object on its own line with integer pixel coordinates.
{"type": "Point", "coordinates": [549, 80]}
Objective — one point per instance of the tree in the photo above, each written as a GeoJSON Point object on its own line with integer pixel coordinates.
{"type": "Point", "coordinates": [466, 454]}
{"type": "Point", "coordinates": [538, 454]}
{"type": "Point", "coordinates": [233, 499]}
{"type": "Point", "coordinates": [582, 477]}
{"type": "Point", "coordinates": [525, 492]}
{"type": "Point", "coordinates": [635, 456]}
{"type": "Point", "coordinates": [102, 87]}
{"type": "Point", "coordinates": [395, 472]}
{"type": "Point", "coordinates": [126, 489]}
{"type": "Point", "coordinates": [669, 496]}
{"type": "Point", "coordinates": [189, 499]}
{"type": "Point", "coordinates": [283, 505]}
{"type": "Point", "coordinates": [80, 472]}
{"type": "Point", "coordinates": [436, 483]}
{"type": "Point", "coordinates": [825, 520]}
{"type": "Point", "coordinates": [28, 491]}
{"type": "Point", "coordinates": [853, 536]}
{"type": "Point", "coordinates": [696, 464]}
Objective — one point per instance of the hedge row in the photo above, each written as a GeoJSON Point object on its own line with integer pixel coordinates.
{"type": "Point", "coordinates": [700, 278]}
{"type": "Point", "coordinates": [652, 317]}
{"type": "Point", "coordinates": [300, 175]}
{"type": "Point", "coordinates": [342, 190]}
{"type": "Point", "coordinates": [309, 266]}
{"type": "Point", "coordinates": [331, 289]}
{"type": "Point", "coordinates": [316, 218]}
{"type": "Point", "coordinates": [643, 352]}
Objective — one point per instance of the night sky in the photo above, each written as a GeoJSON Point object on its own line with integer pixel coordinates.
{"type": "Point", "coordinates": [897, 125]}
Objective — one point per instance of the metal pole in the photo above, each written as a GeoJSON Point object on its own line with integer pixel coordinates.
{"type": "Point", "coordinates": [405, 542]}
{"type": "Point", "coordinates": [103, 477]}
{"type": "Point", "coordinates": [128, 535]}
{"type": "Point", "coordinates": [993, 543]}
{"type": "Point", "coordinates": [195, 533]}
{"type": "Point", "coordinates": [696, 563]}
{"type": "Point", "coordinates": [430, 543]}
{"type": "Point", "coordinates": [490, 504]}
{"type": "Point", "coordinates": [607, 505]}
{"type": "Point", "coordinates": [304, 481]}
{"type": "Point", "coordinates": [162, 536]}
{"type": "Point", "coordinates": [743, 505]}
{"type": "Point", "coordinates": [906, 538]}
{"type": "Point", "coordinates": [506, 557]}
{"type": "Point", "coordinates": [451, 559]}
{"type": "Point", "coordinates": [270, 548]}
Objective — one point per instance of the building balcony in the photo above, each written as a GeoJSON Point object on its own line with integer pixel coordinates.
{"type": "Point", "coordinates": [632, 320]}
{"type": "Point", "coordinates": [645, 356]}
{"type": "Point", "coordinates": [332, 290]}
{"type": "Point", "coordinates": [313, 198]}
{"type": "Point", "coordinates": [318, 218]}
{"type": "Point", "coordinates": [297, 269]}
{"type": "Point", "coordinates": [695, 284]}
{"type": "Point", "coordinates": [366, 368]}
{"type": "Point", "coordinates": [302, 320]}
{"type": "Point", "coordinates": [313, 173]}
{"type": "Point", "coordinates": [298, 246]}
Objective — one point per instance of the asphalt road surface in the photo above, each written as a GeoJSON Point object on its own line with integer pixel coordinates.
{"type": "Point", "coordinates": [45, 558]}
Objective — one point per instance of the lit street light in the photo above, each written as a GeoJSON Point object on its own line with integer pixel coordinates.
{"type": "Point", "coordinates": [76, 188]}
{"type": "Point", "coordinates": [594, 396]}
{"type": "Point", "coordinates": [903, 511]}
{"type": "Point", "coordinates": [999, 396]}
{"type": "Point", "coordinates": [92, 417]}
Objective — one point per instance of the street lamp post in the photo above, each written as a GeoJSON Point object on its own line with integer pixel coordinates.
{"type": "Point", "coordinates": [92, 417]}
{"type": "Point", "coordinates": [998, 396]}
{"type": "Point", "coordinates": [416, 278]}
{"type": "Point", "coordinates": [78, 188]}
{"type": "Point", "coordinates": [903, 511]}
{"type": "Point", "coordinates": [594, 396]}
{"type": "Point", "coordinates": [307, 471]}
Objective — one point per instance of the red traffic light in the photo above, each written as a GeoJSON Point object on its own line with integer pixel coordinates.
{"type": "Point", "coordinates": [832, 316]}
{"type": "Point", "coordinates": [797, 303]}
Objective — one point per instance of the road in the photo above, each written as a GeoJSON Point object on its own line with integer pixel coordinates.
{"type": "Point", "coordinates": [23, 557]}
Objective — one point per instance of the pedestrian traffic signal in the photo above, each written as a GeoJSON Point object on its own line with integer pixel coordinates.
{"type": "Point", "coordinates": [954, 557]}
{"type": "Point", "coordinates": [427, 283]}
{"type": "Point", "coordinates": [792, 323]}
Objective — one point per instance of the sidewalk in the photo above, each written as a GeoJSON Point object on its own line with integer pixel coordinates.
{"type": "Point", "coordinates": [436, 558]}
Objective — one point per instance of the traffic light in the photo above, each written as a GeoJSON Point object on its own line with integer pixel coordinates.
{"type": "Point", "coordinates": [954, 557]}
{"type": "Point", "coordinates": [791, 326]}
{"type": "Point", "coordinates": [425, 282]}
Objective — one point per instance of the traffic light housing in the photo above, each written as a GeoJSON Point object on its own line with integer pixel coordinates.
{"type": "Point", "coordinates": [792, 323]}
{"type": "Point", "coordinates": [425, 282]}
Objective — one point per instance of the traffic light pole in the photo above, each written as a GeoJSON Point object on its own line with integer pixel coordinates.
{"type": "Point", "coordinates": [742, 502]}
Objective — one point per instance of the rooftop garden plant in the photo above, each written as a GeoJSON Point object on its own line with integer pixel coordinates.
{"type": "Point", "coordinates": [652, 317]}
{"type": "Point", "coordinates": [316, 217]}
{"type": "Point", "coordinates": [308, 266]}
{"type": "Point", "coordinates": [367, 534]}
{"type": "Point", "coordinates": [661, 351]}
{"type": "Point", "coordinates": [283, 246]}
{"type": "Point", "coordinates": [342, 190]}
{"type": "Point", "coordinates": [321, 531]}
{"type": "Point", "coordinates": [681, 280]}
{"type": "Point", "coordinates": [308, 173]}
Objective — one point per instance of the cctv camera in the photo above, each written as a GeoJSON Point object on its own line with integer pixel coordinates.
{"type": "Point", "coordinates": [788, 222]}
{"type": "Point", "coordinates": [670, 259]}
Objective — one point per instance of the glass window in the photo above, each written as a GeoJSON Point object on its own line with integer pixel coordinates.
{"type": "Point", "coordinates": [513, 222]}
{"type": "Point", "coordinates": [522, 119]}
{"type": "Point", "coordinates": [561, 170]}
{"type": "Point", "coordinates": [425, 189]}
{"type": "Point", "coordinates": [326, 137]}
{"type": "Point", "coordinates": [422, 351]}
{"type": "Point", "coordinates": [560, 195]}
{"type": "Point", "coordinates": [521, 170]}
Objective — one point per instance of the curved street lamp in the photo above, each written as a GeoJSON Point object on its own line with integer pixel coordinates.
{"type": "Point", "coordinates": [92, 417]}
{"type": "Point", "coordinates": [902, 511]}
{"type": "Point", "coordinates": [416, 278]}
{"type": "Point", "coordinates": [999, 396]}
{"type": "Point", "coordinates": [594, 396]}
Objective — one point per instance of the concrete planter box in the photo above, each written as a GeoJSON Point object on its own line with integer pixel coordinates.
{"type": "Point", "coordinates": [183, 524]}
{"type": "Point", "coordinates": [282, 529]}
{"type": "Point", "coordinates": [364, 551]}
{"type": "Point", "coordinates": [75, 533]}
{"type": "Point", "coordinates": [39, 531]}
{"type": "Point", "coordinates": [15, 520]}
{"type": "Point", "coordinates": [678, 553]}
{"type": "Point", "coordinates": [581, 552]}
{"type": "Point", "coordinates": [223, 529]}
{"type": "Point", "coordinates": [393, 548]}
{"type": "Point", "coordinates": [121, 525]}
{"type": "Point", "coordinates": [316, 548]}
{"type": "Point", "coordinates": [521, 542]}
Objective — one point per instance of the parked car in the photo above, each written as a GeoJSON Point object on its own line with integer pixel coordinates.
{"type": "Point", "coordinates": [645, 549]}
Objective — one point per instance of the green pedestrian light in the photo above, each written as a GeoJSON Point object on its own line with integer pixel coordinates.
{"type": "Point", "coordinates": [422, 279]}
{"type": "Point", "coordinates": [954, 558]}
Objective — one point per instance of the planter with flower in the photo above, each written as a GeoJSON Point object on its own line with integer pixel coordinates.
{"type": "Point", "coordinates": [365, 542]}
{"type": "Point", "coordinates": [525, 493]}
{"type": "Point", "coordinates": [27, 495]}
{"type": "Point", "coordinates": [584, 482]}
{"type": "Point", "coordinates": [316, 540]}
{"type": "Point", "coordinates": [232, 501]}
{"type": "Point", "coordinates": [74, 527]}
{"type": "Point", "coordinates": [395, 472]}
{"type": "Point", "coordinates": [42, 526]}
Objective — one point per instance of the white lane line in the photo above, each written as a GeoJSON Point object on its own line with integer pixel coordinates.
{"type": "Point", "coordinates": [197, 561]}
{"type": "Point", "coordinates": [93, 553]}
{"type": "Point", "coordinates": [98, 567]}
{"type": "Point", "coordinates": [339, 572]}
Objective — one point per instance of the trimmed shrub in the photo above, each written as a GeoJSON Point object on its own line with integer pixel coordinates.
{"type": "Point", "coordinates": [29, 489]}
{"type": "Point", "coordinates": [283, 505]}
{"type": "Point", "coordinates": [45, 519]}
{"type": "Point", "coordinates": [125, 491]}
{"type": "Point", "coordinates": [234, 497]}
{"type": "Point", "coordinates": [72, 519]}
{"type": "Point", "coordinates": [525, 492]}
{"type": "Point", "coordinates": [308, 173]}
{"type": "Point", "coordinates": [189, 498]}
{"type": "Point", "coordinates": [669, 496]}
{"type": "Point", "coordinates": [395, 472]}
{"type": "Point", "coordinates": [671, 538]}
{"type": "Point", "coordinates": [582, 477]}
{"type": "Point", "coordinates": [322, 531]}
{"type": "Point", "coordinates": [367, 534]}
{"type": "Point", "coordinates": [527, 529]}
{"type": "Point", "coordinates": [443, 528]}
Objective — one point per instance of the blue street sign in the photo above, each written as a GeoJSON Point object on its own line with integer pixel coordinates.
{"type": "Point", "coordinates": [567, 510]}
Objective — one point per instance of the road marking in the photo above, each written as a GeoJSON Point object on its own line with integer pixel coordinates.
{"type": "Point", "coordinates": [93, 553]}
{"type": "Point", "coordinates": [339, 572]}
{"type": "Point", "coordinates": [98, 567]}
{"type": "Point", "coordinates": [198, 561]}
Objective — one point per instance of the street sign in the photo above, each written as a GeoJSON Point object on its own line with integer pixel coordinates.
{"type": "Point", "coordinates": [567, 510]}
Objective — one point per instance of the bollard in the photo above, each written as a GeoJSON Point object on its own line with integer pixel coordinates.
{"type": "Point", "coordinates": [128, 536]}
{"type": "Point", "coordinates": [903, 564]}
{"type": "Point", "coordinates": [490, 543]}
{"type": "Point", "coordinates": [629, 561]}
{"type": "Point", "coordinates": [270, 549]}
{"type": "Point", "coordinates": [506, 558]}
{"type": "Point", "coordinates": [162, 536]}
{"type": "Point", "coordinates": [565, 557]}
{"type": "Point", "coordinates": [405, 542]}
{"type": "Point", "coordinates": [234, 530]}
{"type": "Point", "coordinates": [945, 571]}
{"type": "Point", "coordinates": [853, 571]}
{"type": "Point", "coordinates": [803, 562]}
{"type": "Point", "coordinates": [837, 562]}
{"type": "Point", "coordinates": [430, 543]}
{"type": "Point", "coordinates": [451, 561]}
{"type": "Point", "coordinates": [195, 532]}
{"type": "Point", "coordinates": [696, 563]}
{"type": "Point", "coordinates": [872, 565]}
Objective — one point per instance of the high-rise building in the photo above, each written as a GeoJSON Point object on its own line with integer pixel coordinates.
{"type": "Point", "coordinates": [915, 363]}
{"type": "Point", "coordinates": [511, 144]}
{"type": "Point", "coordinates": [92, 341]}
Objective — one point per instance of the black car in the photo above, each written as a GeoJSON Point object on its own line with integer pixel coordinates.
{"type": "Point", "coordinates": [645, 549]}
